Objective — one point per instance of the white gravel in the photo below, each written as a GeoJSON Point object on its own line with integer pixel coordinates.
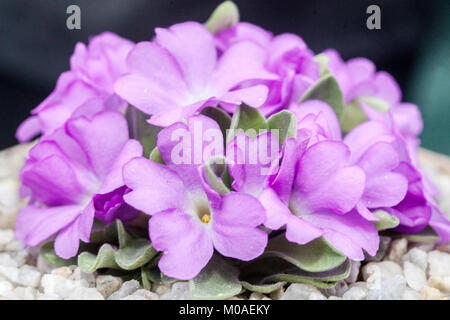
{"type": "Point", "coordinates": [401, 270]}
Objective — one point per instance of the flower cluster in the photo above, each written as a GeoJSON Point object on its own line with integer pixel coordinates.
{"type": "Point", "coordinates": [258, 137]}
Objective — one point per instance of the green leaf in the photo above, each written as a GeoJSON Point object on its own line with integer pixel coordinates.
{"type": "Point", "coordinates": [286, 124]}
{"type": "Point", "coordinates": [322, 279]}
{"type": "Point", "coordinates": [223, 17]}
{"type": "Point", "coordinates": [247, 119]}
{"type": "Point", "coordinates": [262, 288]}
{"type": "Point", "coordinates": [89, 262]}
{"type": "Point", "coordinates": [133, 252]}
{"type": "Point", "coordinates": [352, 116]}
{"type": "Point", "coordinates": [272, 269]}
{"type": "Point", "coordinates": [141, 130]}
{"type": "Point", "coordinates": [212, 170]}
{"type": "Point", "coordinates": [386, 221]}
{"type": "Point", "coordinates": [322, 60]}
{"type": "Point", "coordinates": [375, 103]}
{"type": "Point", "coordinates": [327, 90]}
{"type": "Point", "coordinates": [426, 235]}
{"type": "Point", "coordinates": [315, 256]}
{"type": "Point", "coordinates": [156, 156]}
{"type": "Point", "coordinates": [217, 281]}
{"type": "Point", "coordinates": [48, 253]}
{"type": "Point", "coordinates": [222, 118]}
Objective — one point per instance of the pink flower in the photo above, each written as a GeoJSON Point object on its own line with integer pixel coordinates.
{"type": "Point", "coordinates": [180, 73]}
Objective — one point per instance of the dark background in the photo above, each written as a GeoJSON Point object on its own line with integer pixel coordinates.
{"type": "Point", "coordinates": [413, 44]}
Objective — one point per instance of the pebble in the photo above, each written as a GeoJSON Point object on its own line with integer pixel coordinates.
{"type": "Point", "coordinates": [83, 293]}
{"type": "Point", "coordinates": [415, 276]}
{"type": "Point", "coordinates": [417, 257]}
{"type": "Point", "coordinates": [128, 288]}
{"type": "Point", "coordinates": [429, 293]}
{"type": "Point", "coordinates": [438, 263]}
{"type": "Point", "coordinates": [441, 283]}
{"type": "Point", "coordinates": [107, 285]}
{"type": "Point", "coordinates": [142, 294]}
{"type": "Point", "coordinates": [300, 291]}
{"type": "Point", "coordinates": [26, 275]}
{"type": "Point", "coordinates": [277, 294]}
{"type": "Point", "coordinates": [355, 293]}
{"type": "Point", "coordinates": [180, 291]}
{"type": "Point", "coordinates": [61, 286]}
{"type": "Point", "coordinates": [160, 289]}
{"type": "Point", "coordinates": [398, 250]}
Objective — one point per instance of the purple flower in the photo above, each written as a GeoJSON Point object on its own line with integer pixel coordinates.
{"type": "Point", "coordinates": [374, 150]}
{"type": "Point", "coordinates": [288, 56]}
{"type": "Point", "coordinates": [316, 189]}
{"type": "Point", "coordinates": [189, 219]}
{"type": "Point", "coordinates": [180, 73]}
{"type": "Point", "coordinates": [88, 85]}
{"type": "Point", "coordinates": [72, 175]}
{"type": "Point", "coordinates": [316, 121]}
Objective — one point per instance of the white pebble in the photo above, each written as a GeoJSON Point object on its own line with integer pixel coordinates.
{"type": "Point", "coordinates": [438, 263]}
{"type": "Point", "coordinates": [398, 250]}
{"type": "Point", "coordinates": [418, 257]}
{"type": "Point", "coordinates": [355, 293]}
{"type": "Point", "coordinates": [300, 291]}
{"type": "Point", "coordinates": [128, 288]}
{"type": "Point", "coordinates": [83, 293]}
{"type": "Point", "coordinates": [107, 284]}
{"type": "Point", "coordinates": [180, 291]}
{"type": "Point", "coordinates": [415, 276]}
{"type": "Point", "coordinates": [142, 294]}
{"type": "Point", "coordinates": [441, 283]}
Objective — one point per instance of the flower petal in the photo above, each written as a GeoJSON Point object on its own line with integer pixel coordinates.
{"type": "Point", "coordinates": [184, 242]}
{"type": "Point", "coordinates": [155, 187]}
{"type": "Point", "coordinates": [235, 233]}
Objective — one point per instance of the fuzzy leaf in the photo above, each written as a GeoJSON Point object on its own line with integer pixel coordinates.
{"type": "Point", "coordinates": [48, 253]}
{"type": "Point", "coordinates": [89, 262]}
{"type": "Point", "coordinates": [352, 116]}
{"type": "Point", "coordinates": [222, 118]}
{"type": "Point", "coordinates": [386, 221]}
{"type": "Point", "coordinates": [262, 288]}
{"type": "Point", "coordinates": [141, 130]}
{"type": "Point", "coordinates": [133, 252]}
{"type": "Point", "coordinates": [212, 170]}
{"type": "Point", "coordinates": [217, 281]}
{"type": "Point", "coordinates": [322, 60]}
{"type": "Point", "coordinates": [327, 90]}
{"type": "Point", "coordinates": [223, 17]}
{"type": "Point", "coordinates": [376, 103]}
{"type": "Point", "coordinates": [156, 156]}
{"type": "Point", "coordinates": [247, 119]}
{"type": "Point", "coordinates": [286, 124]}
{"type": "Point", "coordinates": [426, 235]}
{"type": "Point", "coordinates": [315, 256]}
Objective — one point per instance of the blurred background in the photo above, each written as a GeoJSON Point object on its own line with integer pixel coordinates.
{"type": "Point", "coordinates": [413, 44]}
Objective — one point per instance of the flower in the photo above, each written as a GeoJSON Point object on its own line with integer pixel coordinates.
{"type": "Point", "coordinates": [89, 84]}
{"type": "Point", "coordinates": [316, 121]}
{"type": "Point", "coordinates": [180, 73]}
{"type": "Point", "coordinates": [72, 175]}
{"type": "Point", "coordinates": [326, 187]}
{"type": "Point", "coordinates": [287, 55]}
{"type": "Point", "coordinates": [189, 219]}
{"type": "Point", "coordinates": [374, 150]}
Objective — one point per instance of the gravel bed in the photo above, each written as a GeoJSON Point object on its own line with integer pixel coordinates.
{"type": "Point", "coordinates": [402, 270]}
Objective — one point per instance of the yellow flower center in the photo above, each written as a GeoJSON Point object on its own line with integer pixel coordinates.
{"type": "Point", "coordinates": [206, 218]}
